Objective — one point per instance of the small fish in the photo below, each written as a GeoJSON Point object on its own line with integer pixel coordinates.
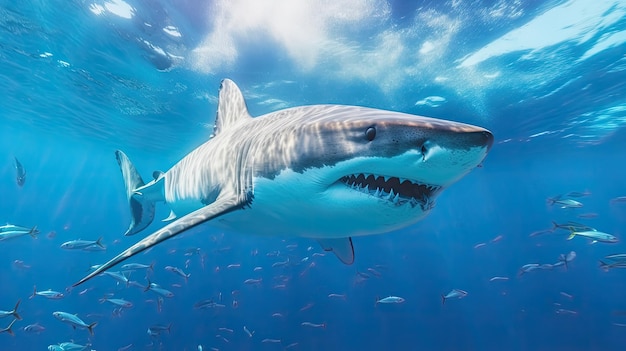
{"type": "Point", "coordinates": [158, 329]}
{"type": "Point", "coordinates": [497, 238]}
{"type": "Point", "coordinates": [82, 244]}
{"type": "Point", "coordinates": [478, 246]}
{"type": "Point", "coordinates": [125, 348]}
{"type": "Point", "coordinates": [589, 215]}
{"type": "Point", "coordinates": [595, 236]}
{"type": "Point", "coordinates": [48, 294]}
{"type": "Point", "coordinates": [308, 306]}
{"type": "Point", "coordinates": [204, 304]}
{"type": "Point", "coordinates": [20, 173]}
{"type": "Point", "coordinates": [528, 268]}
{"type": "Point", "coordinates": [13, 312]}
{"type": "Point", "coordinates": [565, 203]}
{"type": "Point", "coordinates": [250, 333]}
{"type": "Point", "coordinates": [74, 321]}
{"type": "Point", "coordinates": [138, 266]}
{"type": "Point", "coordinates": [281, 263]}
{"type": "Point", "coordinates": [21, 265]}
{"type": "Point", "coordinates": [120, 277]}
{"type": "Point", "coordinates": [34, 328]}
{"type": "Point", "coordinates": [18, 233]}
{"type": "Point", "coordinates": [12, 228]}
{"type": "Point", "coordinates": [337, 296]}
{"type": "Point", "coordinates": [390, 299]}
{"type": "Point", "coordinates": [496, 278]}
{"type": "Point", "coordinates": [313, 325]}
{"type": "Point", "coordinates": [618, 200]}
{"type": "Point", "coordinates": [616, 257]}
{"type": "Point", "coordinates": [452, 294]}
{"type": "Point", "coordinates": [222, 329]}
{"type": "Point", "coordinates": [606, 266]}
{"type": "Point", "coordinates": [564, 311]}
{"type": "Point", "coordinates": [271, 341]}
{"type": "Point", "coordinates": [253, 281]}
{"type": "Point", "coordinates": [157, 289]}
{"type": "Point", "coordinates": [117, 302]}
{"type": "Point", "coordinates": [564, 294]}
{"type": "Point", "coordinates": [70, 346]}
{"type": "Point", "coordinates": [178, 271]}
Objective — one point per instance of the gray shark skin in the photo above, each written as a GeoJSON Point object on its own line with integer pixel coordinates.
{"type": "Point", "coordinates": [328, 172]}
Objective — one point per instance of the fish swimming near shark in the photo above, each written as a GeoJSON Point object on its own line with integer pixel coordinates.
{"type": "Point", "coordinates": [327, 172]}
{"type": "Point", "coordinates": [20, 173]}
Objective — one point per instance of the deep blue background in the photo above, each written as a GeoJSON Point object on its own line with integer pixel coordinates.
{"type": "Point", "coordinates": [557, 119]}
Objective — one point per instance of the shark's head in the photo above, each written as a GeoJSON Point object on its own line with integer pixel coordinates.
{"type": "Point", "coordinates": [386, 162]}
{"type": "Point", "coordinates": [364, 170]}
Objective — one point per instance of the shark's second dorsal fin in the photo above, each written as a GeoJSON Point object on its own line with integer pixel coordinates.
{"type": "Point", "coordinates": [231, 107]}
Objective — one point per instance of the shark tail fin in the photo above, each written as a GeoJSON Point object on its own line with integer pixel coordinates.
{"type": "Point", "coordinates": [443, 299]}
{"type": "Point", "coordinates": [34, 292]}
{"type": "Point", "coordinates": [14, 313]}
{"type": "Point", "coordinates": [91, 326]}
{"type": "Point", "coordinates": [141, 208]}
{"type": "Point", "coordinates": [99, 243]}
{"type": "Point", "coordinates": [33, 232]}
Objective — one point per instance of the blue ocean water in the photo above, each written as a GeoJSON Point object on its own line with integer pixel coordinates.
{"type": "Point", "coordinates": [80, 79]}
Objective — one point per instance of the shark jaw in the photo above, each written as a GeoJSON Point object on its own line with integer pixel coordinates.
{"type": "Point", "coordinates": [396, 191]}
{"type": "Point", "coordinates": [360, 196]}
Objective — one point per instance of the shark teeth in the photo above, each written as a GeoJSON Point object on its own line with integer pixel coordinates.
{"type": "Point", "coordinates": [398, 191]}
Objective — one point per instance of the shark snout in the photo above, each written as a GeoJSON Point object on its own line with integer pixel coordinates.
{"type": "Point", "coordinates": [482, 138]}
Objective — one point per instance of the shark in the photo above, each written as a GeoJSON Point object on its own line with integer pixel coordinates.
{"type": "Point", "coordinates": [326, 172]}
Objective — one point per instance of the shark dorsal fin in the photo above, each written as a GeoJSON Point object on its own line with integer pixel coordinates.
{"type": "Point", "coordinates": [231, 107]}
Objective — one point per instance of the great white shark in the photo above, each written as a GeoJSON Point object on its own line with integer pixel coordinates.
{"type": "Point", "coordinates": [328, 172]}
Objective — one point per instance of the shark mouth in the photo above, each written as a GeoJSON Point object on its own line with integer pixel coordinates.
{"type": "Point", "coordinates": [398, 191]}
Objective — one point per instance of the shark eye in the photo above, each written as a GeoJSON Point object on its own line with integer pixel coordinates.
{"type": "Point", "coordinates": [370, 133]}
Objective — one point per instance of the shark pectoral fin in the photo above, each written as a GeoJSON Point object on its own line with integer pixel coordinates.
{"type": "Point", "coordinates": [171, 217]}
{"type": "Point", "coordinates": [571, 236]}
{"type": "Point", "coordinates": [223, 205]}
{"type": "Point", "coordinates": [141, 208]}
{"type": "Point", "coordinates": [342, 247]}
